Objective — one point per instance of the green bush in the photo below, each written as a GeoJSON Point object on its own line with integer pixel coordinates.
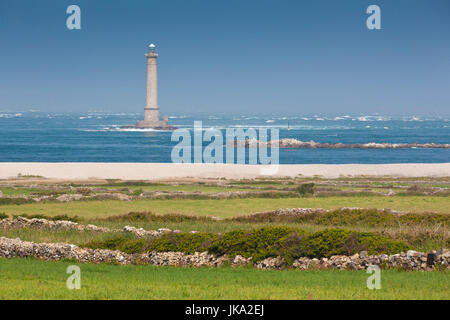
{"type": "Point", "coordinates": [332, 242]}
{"type": "Point", "coordinates": [306, 188]}
{"type": "Point", "coordinates": [290, 247]}
{"type": "Point", "coordinates": [261, 243]}
{"type": "Point", "coordinates": [18, 201]}
{"type": "Point", "coordinates": [177, 242]}
{"type": "Point", "coordinates": [133, 246]}
{"type": "Point", "coordinates": [111, 244]}
{"type": "Point", "coordinates": [183, 242]}
{"type": "Point", "coordinates": [258, 243]}
{"type": "Point", "coordinates": [3, 216]}
{"type": "Point", "coordinates": [137, 192]}
{"type": "Point", "coordinates": [425, 219]}
{"type": "Point", "coordinates": [353, 217]}
{"type": "Point", "coordinates": [52, 218]}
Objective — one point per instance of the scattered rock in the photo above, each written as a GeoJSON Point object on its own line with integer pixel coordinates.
{"type": "Point", "coordinates": [21, 222]}
{"type": "Point", "coordinates": [391, 193]}
{"type": "Point", "coordinates": [69, 197]}
{"type": "Point", "coordinates": [240, 261]}
{"type": "Point", "coordinates": [10, 248]}
{"type": "Point", "coordinates": [141, 232]}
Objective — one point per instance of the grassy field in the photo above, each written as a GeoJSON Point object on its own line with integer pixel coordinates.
{"type": "Point", "coordinates": [226, 208]}
{"type": "Point", "coordinates": [31, 279]}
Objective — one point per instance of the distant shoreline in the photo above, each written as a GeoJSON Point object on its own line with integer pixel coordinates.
{"type": "Point", "coordinates": [159, 171]}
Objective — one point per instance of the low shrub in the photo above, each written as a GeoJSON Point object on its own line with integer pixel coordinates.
{"type": "Point", "coordinates": [3, 216]}
{"type": "Point", "coordinates": [137, 192]}
{"type": "Point", "coordinates": [259, 243]}
{"type": "Point", "coordinates": [112, 244]}
{"type": "Point", "coordinates": [18, 201]}
{"type": "Point", "coordinates": [332, 242]}
{"type": "Point", "coordinates": [52, 218]}
{"type": "Point", "coordinates": [290, 247]}
{"type": "Point", "coordinates": [85, 191]}
{"type": "Point", "coordinates": [41, 193]}
{"type": "Point", "coordinates": [151, 217]}
{"type": "Point", "coordinates": [352, 217]}
{"type": "Point", "coordinates": [305, 189]}
{"type": "Point", "coordinates": [425, 219]}
{"type": "Point", "coordinates": [188, 243]}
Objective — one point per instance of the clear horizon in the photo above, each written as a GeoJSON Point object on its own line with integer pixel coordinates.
{"type": "Point", "coordinates": [302, 58]}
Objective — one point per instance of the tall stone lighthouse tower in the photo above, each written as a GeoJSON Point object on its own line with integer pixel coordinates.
{"type": "Point", "coordinates": [151, 110]}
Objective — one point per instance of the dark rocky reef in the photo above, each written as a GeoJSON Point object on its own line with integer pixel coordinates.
{"type": "Point", "coordinates": [298, 144]}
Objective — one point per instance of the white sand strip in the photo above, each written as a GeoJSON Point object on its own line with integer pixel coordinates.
{"type": "Point", "coordinates": [154, 171]}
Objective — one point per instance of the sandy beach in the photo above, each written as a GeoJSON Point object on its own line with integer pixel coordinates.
{"type": "Point", "coordinates": [157, 171]}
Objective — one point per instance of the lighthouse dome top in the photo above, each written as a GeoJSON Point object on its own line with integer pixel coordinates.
{"type": "Point", "coordinates": [152, 46]}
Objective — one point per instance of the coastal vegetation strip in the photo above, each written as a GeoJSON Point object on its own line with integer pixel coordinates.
{"type": "Point", "coordinates": [283, 240]}
{"type": "Point", "coordinates": [227, 208]}
{"type": "Point", "coordinates": [222, 252]}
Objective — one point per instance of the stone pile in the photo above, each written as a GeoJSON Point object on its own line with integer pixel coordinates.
{"type": "Point", "coordinates": [65, 197]}
{"type": "Point", "coordinates": [299, 211]}
{"type": "Point", "coordinates": [21, 222]}
{"type": "Point", "coordinates": [142, 233]}
{"type": "Point", "coordinates": [305, 211]}
{"type": "Point", "coordinates": [412, 260]}
{"type": "Point", "coordinates": [408, 261]}
{"type": "Point", "coordinates": [35, 223]}
{"type": "Point", "coordinates": [11, 248]}
{"type": "Point", "coordinates": [197, 259]}
{"type": "Point", "coordinates": [97, 196]}
{"type": "Point", "coordinates": [240, 261]}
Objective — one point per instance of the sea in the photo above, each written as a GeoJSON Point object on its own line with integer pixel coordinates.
{"type": "Point", "coordinates": [98, 136]}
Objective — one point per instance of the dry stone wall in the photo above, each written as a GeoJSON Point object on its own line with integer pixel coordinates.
{"type": "Point", "coordinates": [34, 223]}
{"type": "Point", "coordinates": [412, 260]}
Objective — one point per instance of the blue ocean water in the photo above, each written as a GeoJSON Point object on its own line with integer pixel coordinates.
{"type": "Point", "coordinates": [96, 137]}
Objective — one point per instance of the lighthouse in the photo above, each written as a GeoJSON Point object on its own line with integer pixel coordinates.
{"type": "Point", "coordinates": [151, 109]}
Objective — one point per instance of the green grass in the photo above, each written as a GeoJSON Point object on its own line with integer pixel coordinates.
{"type": "Point", "coordinates": [32, 279]}
{"type": "Point", "coordinates": [9, 191]}
{"type": "Point", "coordinates": [226, 208]}
{"type": "Point", "coordinates": [17, 191]}
{"type": "Point", "coordinates": [61, 236]}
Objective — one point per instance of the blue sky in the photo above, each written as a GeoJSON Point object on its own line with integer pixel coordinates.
{"type": "Point", "coordinates": [233, 56]}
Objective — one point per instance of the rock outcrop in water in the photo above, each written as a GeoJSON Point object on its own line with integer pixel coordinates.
{"type": "Point", "coordinates": [298, 144]}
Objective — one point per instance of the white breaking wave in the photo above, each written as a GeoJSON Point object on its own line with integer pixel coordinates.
{"type": "Point", "coordinates": [10, 115]}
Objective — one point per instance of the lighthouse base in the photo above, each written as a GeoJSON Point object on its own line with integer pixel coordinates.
{"type": "Point", "coordinates": [156, 125]}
